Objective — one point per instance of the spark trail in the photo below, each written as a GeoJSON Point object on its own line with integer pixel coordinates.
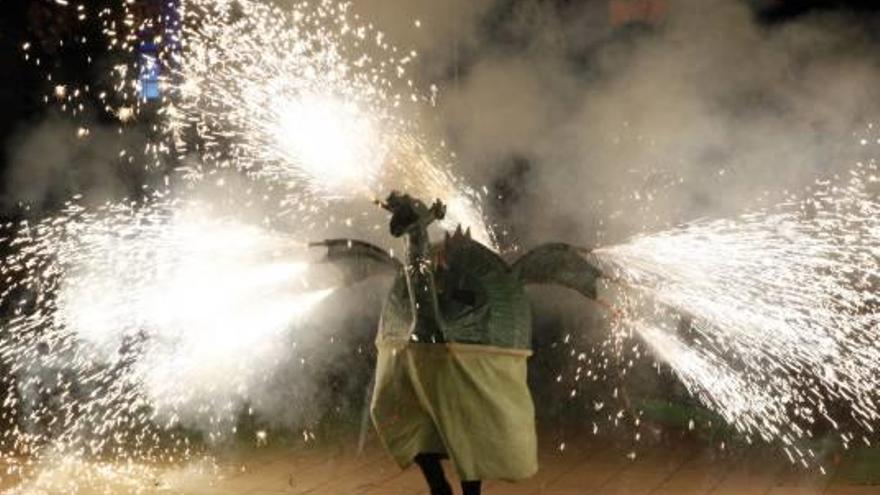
{"type": "Point", "coordinates": [783, 308]}
{"type": "Point", "coordinates": [305, 95]}
{"type": "Point", "coordinates": [130, 322]}
{"type": "Point", "coordinates": [309, 97]}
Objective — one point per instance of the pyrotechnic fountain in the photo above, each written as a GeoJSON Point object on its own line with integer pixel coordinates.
{"type": "Point", "coordinates": [782, 311]}
{"type": "Point", "coordinates": [127, 322]}
{"type": "Point", "coordinates": [309, 98]}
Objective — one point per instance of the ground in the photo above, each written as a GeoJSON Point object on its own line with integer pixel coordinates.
{"type": "Point", "coordinates": [585, 466]}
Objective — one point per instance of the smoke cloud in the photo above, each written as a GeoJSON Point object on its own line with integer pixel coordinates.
{"type": "Point", "coordinates": [591, 133]}
{"type": "Point", "coordinates": [57, 158]}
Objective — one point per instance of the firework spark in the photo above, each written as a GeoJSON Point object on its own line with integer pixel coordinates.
{"type": "Point", "coordinates": [783, 309]}
{"type": "Point", "coordinates": [308, 97]}
{"type": "Point", "coordinates": [130, 321]}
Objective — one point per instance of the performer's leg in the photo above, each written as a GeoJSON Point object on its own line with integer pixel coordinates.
{"type": "Point", "coordinates": [470, 487]}
{"type": "Point", "coordinates": [433, 471]}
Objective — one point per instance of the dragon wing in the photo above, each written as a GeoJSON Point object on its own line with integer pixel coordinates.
{"type": "Point", "coordinates": [559, 263]}
{"type": "Point", "coordinates": [357, 260]}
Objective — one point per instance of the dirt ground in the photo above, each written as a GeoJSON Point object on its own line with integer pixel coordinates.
{"type": "Point", "coordinates": [586, 466]}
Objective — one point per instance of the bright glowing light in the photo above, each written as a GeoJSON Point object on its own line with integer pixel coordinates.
{"type": "Point", "coordinates": [293, 94]}
{"type": "Point", "coordinates": [335, 144]}
{"type": "Point", "coordinates": [125, 114]}
{"type": "Point", "coordinates": [211, 301]}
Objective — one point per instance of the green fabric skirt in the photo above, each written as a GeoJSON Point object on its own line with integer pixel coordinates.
{"type": "Point", "coordinates": [471, 402]}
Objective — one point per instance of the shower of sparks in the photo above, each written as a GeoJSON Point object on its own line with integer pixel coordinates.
{"type": "Point", "coordinates": [778, 312]}
{"type": "Point", "coordinates": [131, 322]}
{"type": "Point", "coordinates": [288, 95]}
{"type": "Point", "coordinates": [307, 97]}
{"type": "Point", "coordinates": [128, 325]}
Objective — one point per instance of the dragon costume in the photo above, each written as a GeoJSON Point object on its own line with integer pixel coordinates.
{"type": "Point", "coordinates": [453, 341]}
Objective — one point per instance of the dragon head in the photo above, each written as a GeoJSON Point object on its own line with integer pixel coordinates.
{"type": "Point", "coordinates": [409, 214]}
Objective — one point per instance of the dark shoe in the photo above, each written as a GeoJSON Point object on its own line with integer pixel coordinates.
{"type": "Point", "coordinates": [470, 487]}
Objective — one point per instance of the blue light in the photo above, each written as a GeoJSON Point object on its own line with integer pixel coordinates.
{"type": "Point", "coordinates": [149, 76]}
